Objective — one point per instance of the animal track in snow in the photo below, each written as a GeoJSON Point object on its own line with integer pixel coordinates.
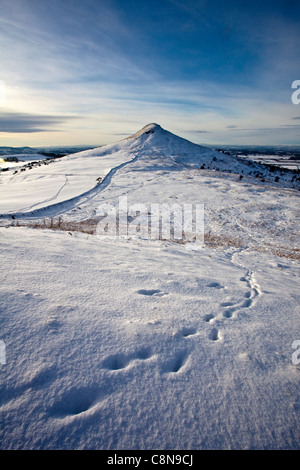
{"type": "Point", "coordinates": [151, 292]}
{"type": "Point", "coordinates": [82, 399]}
{"type": "Point", "coordinates": [53, 323]}
{"type": "Point", "coordinates": [121, 361]}
{"type": "Point", "coordinates": [176, 363]}
{"type": "Point", "coordinates": [250, 296]}
{"type": "Point", "coordinates": [185, 332]}
{"type": "Point", "coordinates": [227, 304]}
{"type": "Point", "coordinates": [74, 402]}
{"type": "Point", "coordinates": [215, 335]}
{"type": "Point", "coordinates": [209, 317]}
{"type": "Point", "coordinates": [216, 285]}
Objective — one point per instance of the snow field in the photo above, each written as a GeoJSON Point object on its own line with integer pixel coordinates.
{"type": "Point", "coordinates": [137, 351]}
{"type": "Point", "coordinates": [131, 343]}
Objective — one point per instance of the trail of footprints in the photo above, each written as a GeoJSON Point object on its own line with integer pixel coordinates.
{"type": "Point", "coordinates": [77, 401]}
{"type": "Point", "coordinates": [249, 299]}
{"type": "Point", "coordinates": [230, 311]}
{"type": "Point", "coordinates": [120, 361]}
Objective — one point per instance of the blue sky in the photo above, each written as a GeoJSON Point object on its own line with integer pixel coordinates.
{"type": "Point", "coordinates": [90, 72]}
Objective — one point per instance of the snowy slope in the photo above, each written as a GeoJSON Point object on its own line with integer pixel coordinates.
{"type": "Point", "coordinates": [126, 345]}
{"type": "Point", "coordinates": [137, 343]}
{"type": "Point", "coordinates": [78, 174]}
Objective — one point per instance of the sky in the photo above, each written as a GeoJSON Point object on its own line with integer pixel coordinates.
{"type": "Point", "coordinates": [91, 72]}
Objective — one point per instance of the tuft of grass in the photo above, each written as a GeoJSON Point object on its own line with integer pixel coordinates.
{"type": "Point", "coordinates": [211, 240]}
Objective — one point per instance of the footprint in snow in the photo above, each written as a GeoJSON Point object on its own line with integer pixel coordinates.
{"type": "Point", "coordinates": [209, 317]}
{"type": "Point", "coordinates": [121, 361]}
{"type": "Point", "coordinates": [216, 285]}
{"type": "Point", "coordinates": [186, 332]}
{"type": "Point", "coordinates": [215, 335]}
{"type": "Point", "coordinates": [250, 296]}
{"type": "Point", "coordinates": [227, 304]}
{"type": "Point", "coordinates": [151, 292]}
{"type": "Point", "coordinates": [53, 323]}
{"type": "Point", "coordinates": [74, 402]}
{"type": "Point", "coordinates": [175, 364]}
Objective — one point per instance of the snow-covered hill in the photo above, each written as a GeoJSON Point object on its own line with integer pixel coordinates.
{"type": "Point", "coordinates": [59, 180]}
{"type": "Point", "coordinates": [155, 166]}
{"type": "Point", "coordinates": [149, 342]}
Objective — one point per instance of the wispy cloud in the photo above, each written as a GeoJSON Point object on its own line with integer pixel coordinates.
{"type": "Point", "coordinates": [196, 131]}
{"type": "Point", "coordinates": [13, 122]}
